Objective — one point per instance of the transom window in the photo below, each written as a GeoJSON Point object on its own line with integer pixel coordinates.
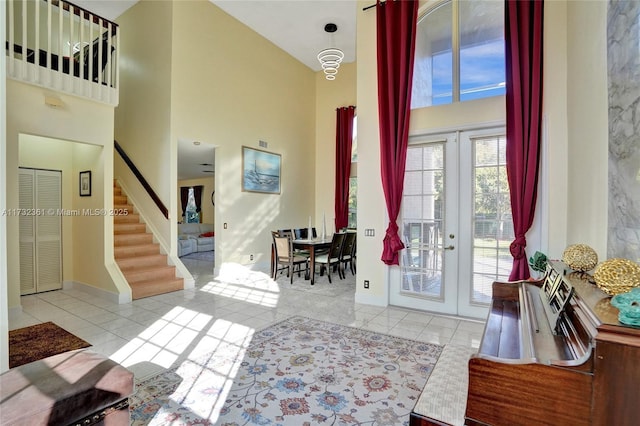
{"type": "Point", "coordinates": [459, 53]}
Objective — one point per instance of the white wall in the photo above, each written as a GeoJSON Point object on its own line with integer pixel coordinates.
{"type": "Point", "coordinates": [587, 119]}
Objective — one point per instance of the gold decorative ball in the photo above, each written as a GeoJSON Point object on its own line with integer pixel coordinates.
{"type": "Point", "coordinates": [615, 276]}
{"type": "Point", "coordinates": [580, 257]}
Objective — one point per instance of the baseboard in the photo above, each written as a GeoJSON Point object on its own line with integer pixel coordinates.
{"type": "Point", "coordinates": [369, 299]}
{"type": "Point", "coordinates": [94, 291]}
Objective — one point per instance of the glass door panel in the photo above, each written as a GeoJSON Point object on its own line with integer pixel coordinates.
{"type": "Point", "coordinates": [455, 223]}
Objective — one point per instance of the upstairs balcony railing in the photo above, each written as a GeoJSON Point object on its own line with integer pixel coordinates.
{"type": "Point", "coordinates": [63, 47]}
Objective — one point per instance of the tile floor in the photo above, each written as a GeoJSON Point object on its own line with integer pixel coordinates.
{"type": "Point", "coordinates": [160, 332]}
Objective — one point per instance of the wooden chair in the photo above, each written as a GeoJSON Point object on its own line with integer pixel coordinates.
{"type": "Point", "coordinates": [332, 257]}
{"type": "Point", "coordinates": [348, 254]}
{"type": "Point", "coordinates": [303, 233]}
{"type": "Point", "coordinates": [284, 256]}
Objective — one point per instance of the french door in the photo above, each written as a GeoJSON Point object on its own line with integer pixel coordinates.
{"type": "Point", "coordinates": [455, 223]}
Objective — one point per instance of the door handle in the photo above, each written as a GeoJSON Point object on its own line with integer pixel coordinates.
{"type": "Point", "coordinates": [449, 247]}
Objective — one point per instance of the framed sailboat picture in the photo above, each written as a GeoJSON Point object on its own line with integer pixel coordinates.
{"type": "Point", "coordinates": [260, 171]}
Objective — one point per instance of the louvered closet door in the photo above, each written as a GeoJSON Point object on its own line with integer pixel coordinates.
{"type": "Point", "coordinates": [48, 231]}
{"type": "Point", "coordinates": [27, 202]}
{"type": "Point", "coordinates": [40, 231]}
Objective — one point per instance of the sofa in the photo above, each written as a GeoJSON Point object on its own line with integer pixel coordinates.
{"type": "Point", "coordinates": [195, 237]}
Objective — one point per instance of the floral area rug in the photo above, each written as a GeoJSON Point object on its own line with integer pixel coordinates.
{"type": "Point", "coordinates": [300, 371]}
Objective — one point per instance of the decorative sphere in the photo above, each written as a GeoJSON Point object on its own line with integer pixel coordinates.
{"type": "Point", "coordinates": [580, 257]}
{"type": "Point", "coordinates": [615, 276]}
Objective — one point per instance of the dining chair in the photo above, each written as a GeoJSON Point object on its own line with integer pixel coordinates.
{"type": "Point", "coordinates": [285, 232]}
{"type": "Point", "coordinates": [332, 257]}
{"type": "Point", "coordinates": [284, 256]}
{"type": "Point", "coordinates": [302, 233]}
{"type": "Point", "coordinates": [348, 253]}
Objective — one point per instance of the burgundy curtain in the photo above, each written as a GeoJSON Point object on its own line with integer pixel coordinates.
{"type": "Point", "coordinates": [396, 28]}
{"type": "Point", "coordinates": [184, 199]}
{"type": "Point", "coordinates": [523, 38]}
{"type": "Point", "coordinates": [344, 137]}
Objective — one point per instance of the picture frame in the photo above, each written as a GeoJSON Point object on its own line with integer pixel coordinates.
{"type": "Point", "coordinates": [261, 171]}
{"type": "Point", "coordinates": [85, 183]}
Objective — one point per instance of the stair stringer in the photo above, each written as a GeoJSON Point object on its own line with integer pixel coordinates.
{"type": "Point", "coordinates": [181, 270]}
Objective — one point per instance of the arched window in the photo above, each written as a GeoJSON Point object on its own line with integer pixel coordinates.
{"type": "Point", "coordinates": [459, 53]}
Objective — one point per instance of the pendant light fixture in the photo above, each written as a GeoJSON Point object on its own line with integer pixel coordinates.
{"type": "Point", "coordinates": [331, 57]}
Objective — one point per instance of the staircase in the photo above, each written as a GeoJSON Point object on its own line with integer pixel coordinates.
{"type": "Point", "coordinates": [139, 258]}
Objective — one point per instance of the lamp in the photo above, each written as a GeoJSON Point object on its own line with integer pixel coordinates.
{"type": "Point", "coordinates": [330, 58]}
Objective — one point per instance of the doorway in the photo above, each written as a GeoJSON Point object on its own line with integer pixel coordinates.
{"type": "Point", "coordinates": [455, 223]}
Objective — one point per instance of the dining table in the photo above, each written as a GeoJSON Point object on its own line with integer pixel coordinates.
{"type": "Point", "coordinates": [312, 246]}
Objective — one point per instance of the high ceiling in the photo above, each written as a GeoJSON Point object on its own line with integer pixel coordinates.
{"type": "Point", "coordinates": [296, 26]}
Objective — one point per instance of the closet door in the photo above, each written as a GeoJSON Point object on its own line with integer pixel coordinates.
{"type": "Point", "coordinates": [40, 230]}
{"type": "Point", "coordinates": [26, 185]}
{"type": "Point", "coordinates": [48, 228]}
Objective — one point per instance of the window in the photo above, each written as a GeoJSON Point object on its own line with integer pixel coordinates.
{"type": "Point", "coordinates": [452, 66]}
{"type": "Point", "coordinates": [353, 178]}
{"type": "Point", "coordinates": [192, 215]}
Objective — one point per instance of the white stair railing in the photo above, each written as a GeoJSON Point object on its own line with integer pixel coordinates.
{"type": "Point", "coordinates": [61, 46]}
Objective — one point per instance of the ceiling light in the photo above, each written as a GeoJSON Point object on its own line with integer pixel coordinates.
{"type": "Point", "coordinates": [330, 58]}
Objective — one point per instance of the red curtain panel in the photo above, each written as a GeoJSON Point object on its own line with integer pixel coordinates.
{"type": "Point", "coordinates": [396, 38]}
{"type": "Point", "coordinates": [523, 39]}
{"type": "Point", "coordinates": [344, 137]}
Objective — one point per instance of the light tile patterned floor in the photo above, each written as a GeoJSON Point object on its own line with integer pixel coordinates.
{"type": "Point", "coordinates": [156, 333]}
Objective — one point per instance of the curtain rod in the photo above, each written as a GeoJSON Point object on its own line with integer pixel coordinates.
{"type": "Point", "coordinates": [370, 6]}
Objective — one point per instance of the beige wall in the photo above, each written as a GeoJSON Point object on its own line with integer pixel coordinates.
{"type": "Point", "coordinates": [77, 120]}
{"type": "Point", "coordinates": [330, 95]}
{"type": "Point", "coordinates": [143, 117]}
{"type": "Point", "coordinates": [230, 88]}
{"type": "Point", "coordinates": [207, 215]}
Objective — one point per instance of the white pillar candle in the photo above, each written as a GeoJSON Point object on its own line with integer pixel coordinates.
{"type": "Point", "coordinates": [324, 226]}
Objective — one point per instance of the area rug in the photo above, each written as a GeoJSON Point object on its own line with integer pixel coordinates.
{"type": "Point", "coordinates": [40, 341]}
{"type": "Point", "coordinates": [300, 371]}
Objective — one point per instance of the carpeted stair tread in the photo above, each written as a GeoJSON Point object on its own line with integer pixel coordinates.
{"type": "Point", "coordinates": [127, 218]}
{"type": "Point", "coordinates": [151, 273]}
{"type": "Point", "coordinates": [140, 260]}
{"type": "Point", "coordinates": [154, 287]}
{"type": "Point", "coordinates": [133, 262]}
{"type": "Point", "coordinates": [136, 250]}
{"type": "Point", "coordinates": [129, 228]}
{"type": "Point", "coordinates": [120, 199]}
{"type": "Point", "coordinates": [132, 239]}
{"type": "Point", "coordinates": [123, 207]}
